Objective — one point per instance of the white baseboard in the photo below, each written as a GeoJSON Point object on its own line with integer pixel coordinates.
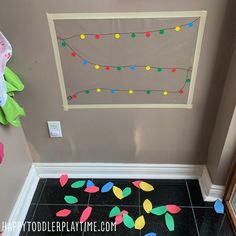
{"type": "Point", "coordinates": [23, 201]}
{"type": "Point", "coordinates": [210, 192]}
{"type": "Point", "coordinates": [119, 170]}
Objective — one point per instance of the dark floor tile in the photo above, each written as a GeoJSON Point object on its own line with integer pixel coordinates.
{"type": "Point", "coordinates": [54, 194]}
{"type": "Point", "coordinates": [120, 230]}
{"type": "Point", "coordinates": [167, 192]}
{"type": "Point", "coordinates": [29, 216]}
{"type": "Point", "coordinates": [115, 181]}
{"type": "Point", "coordinates": [102, 213]}
{"type": "Point", "coordinates": [196, 195]}
{"type": "Point", "coordinates": [212, 224]}
{"type": "Point", "coordinates": [184, 224]}
{"type": "Point", "coordinates": [110, 199]}
{"type": "Point", "coordinates": [38, 191]}
{"type": "Point", "coordinates": [47, 213]}
{"type": "Point", "coordinates": [226, 228]}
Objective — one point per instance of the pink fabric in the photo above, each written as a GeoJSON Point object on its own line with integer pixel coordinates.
{"type": "Point", "coordinates": [1, 153]}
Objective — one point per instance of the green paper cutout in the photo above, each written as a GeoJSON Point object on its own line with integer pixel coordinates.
{"type": "Point", "coordinates": [127, 191]}
{"type": "Point", "coordinates": [187, 80]}
{"type": "Point", "coordinates": [148, 91]}
{"type": "Point", "coordinates": [162, 31]}
{"type": "Point", "coordinates": [169, 222]}
{"type": "Point", "coordinates": [87, 91]}
{"type": "Point", "coordinates": [119, 68]}
{"type": "Point", "coordinates": [63, 44]}
{"type": "Point", "coordinates": [159, 69]}
{"type": "Point", "coordinates": [78, 184]}
{"type": "Point", "coordinates": [133, 35]}
{"type": "Point", "coordinates": [128, 221]}
{"type": "Point", "coordinates": [71, 199]}
{"type": "Point", "coordinates": [114, 211]}
{"type": "Point", "coordinates": [159, 210]}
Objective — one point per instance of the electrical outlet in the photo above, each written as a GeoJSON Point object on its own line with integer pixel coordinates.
{"type": "Point", "coordinates": [54, 128]}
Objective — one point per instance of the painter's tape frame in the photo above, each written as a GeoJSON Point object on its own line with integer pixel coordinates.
{"type": "Point", "coordinates": [128, 15]}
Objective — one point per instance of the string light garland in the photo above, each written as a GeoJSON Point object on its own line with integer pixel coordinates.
{"type": "Point", "coordinates": [146, 34]}
{"type": "Point", "coordinates": [130, 91]}
{"type": "Point", "coordinates": [96, 66]}
{"type": "Point", "coordinates": [118, 35]}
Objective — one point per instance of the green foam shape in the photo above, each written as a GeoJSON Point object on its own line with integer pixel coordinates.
{"type": "Point", "coordinates": [169, 222]}
{"type": "Point", "coordinates": [187, 80]}
{"type": "Point", "coordinates": [114, 211]}
{"type": "Point", "coordinates": [127, 191]}
{"type": "Point", "coordinates": [159, 210]}
{"type": "Point", "coordinates": [71, 199]}
{"type": "Point", "coordinates": [78, 184]}
{"type": "Point", "coordinates": [128, 221]}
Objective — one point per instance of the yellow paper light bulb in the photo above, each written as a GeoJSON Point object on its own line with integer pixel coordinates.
{"type": "Point", "coordinates": [98, 90]}
{"type": "Point", "coordinates": [148, 68]}
{"type": "Point", "coordinates": [117, 36]}
{"type": "Point", "coordinates": [165, 93]}
{"type": "Point", "coordinates": [97, 67]}
{"type": "Point", "coordinates": [177, 28]}
{"type": "Point", "coordinates": [139, 222]}
{"type": "Point", "coordinates": [146, 186]}
{"type": "Point", "coordinates": [147, 205]}
{"type": "Point", "coordinates": [131, 91]}
{"type": "Point", "coordinates": [118, 192]}
{"type": "Point", "coordinates": [82, 36]}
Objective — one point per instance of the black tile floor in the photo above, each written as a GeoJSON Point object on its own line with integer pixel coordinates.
{"type": "Point", "coordinates": [196, 217]}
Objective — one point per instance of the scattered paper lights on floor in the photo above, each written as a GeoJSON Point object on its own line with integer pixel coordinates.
{"type": "Point", "coordinates": [70, 199]}
{"type": "Point", "coordinates": [85, 214]}
{"type": "Point", "coordinates": [147, 206]}
{"type": "Point", "coordinates": [63, 180]}
{"type": "Point", "coordinates": [78, 184]}
{"type": "Point", "coordinates": [122, 216]}
{"type": "Point", "coordinates": [107, 187]}
{"type": "Point", "coordinates": [63, 213]}
{"type": "Point", "coordinates": [219, 206]}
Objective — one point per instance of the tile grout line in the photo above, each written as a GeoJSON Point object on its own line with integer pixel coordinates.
{"type": "Point", "coordinates": [37, 203]}
{"type": "Point", "coordinates": [99, 205]}
{"type": "Point", "coordinates": [89, 196]}
{"type": "Point", "coordinates": [139, 208]}
{"type": "Point", "coordinates": [222, 222]}
{"type": "Point", "coordinates": [192, 208]}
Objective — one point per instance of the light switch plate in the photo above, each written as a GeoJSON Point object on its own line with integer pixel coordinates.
{"type": "Point", "coordinates": [54, 128]}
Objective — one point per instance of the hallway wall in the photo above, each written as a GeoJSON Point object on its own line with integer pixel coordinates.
{"type": "Point", "coordinates": [177, 136]}
{"type": "Point", "coordinates": [14, 169]}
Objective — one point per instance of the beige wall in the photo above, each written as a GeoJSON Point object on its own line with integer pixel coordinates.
{"type": "Point", "coordinates": [14, 169]}
{"type": "Point", "coordinates": [138, 135]}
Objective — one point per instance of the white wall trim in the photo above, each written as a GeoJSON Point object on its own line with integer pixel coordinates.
{"type": "Point", "coordinates": [210, 192]}
{"type": "Point", "coordinates": [119, 170]}
{"type": "Point", "coordinates": [23, 201]}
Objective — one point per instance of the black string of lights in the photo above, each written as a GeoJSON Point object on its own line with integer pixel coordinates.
{"type": "Point", "coordinates": [75, 53]}
{"type": "Point", "coordinates": [131, 91]}
{"type": "Point", "coordinates": [97, 66]}
{"type": "Point", "coordinates": [118, 35]}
